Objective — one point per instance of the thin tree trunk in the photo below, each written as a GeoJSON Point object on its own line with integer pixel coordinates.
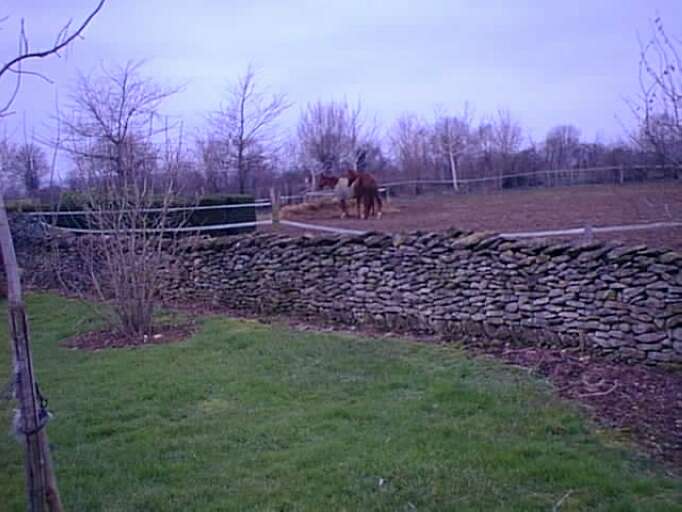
{"type": "Point", "coordinates": [453, 171]}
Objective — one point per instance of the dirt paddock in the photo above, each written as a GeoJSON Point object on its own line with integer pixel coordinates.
{"type": "Point", "coordinates": [530, 210]}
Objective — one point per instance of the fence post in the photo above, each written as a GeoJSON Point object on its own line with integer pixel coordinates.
{"type": "Point", "coordinates": [274, 201]}
{"type": "Point", "coordinates": [588, 233]}
{"type": "Point", "coordinates": [621, 174]}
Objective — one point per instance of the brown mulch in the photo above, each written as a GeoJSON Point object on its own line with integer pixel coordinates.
{"type": "Point", "coordinates": [641, 401]}
{"type": "Point", "coordinates": [103, 339]}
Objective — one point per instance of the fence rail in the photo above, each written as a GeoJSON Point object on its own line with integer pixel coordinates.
{"type": "Point", "coordinates": [185, 229]}
{"type": "Point", "coordinates": [545, 177]}
{"type": "Point", "coordinates": [623, 172]}
{"type": "Point", "coordinates": [596, 229]}
{"type": "Point", "coordinates": [258, 204]}
{"type": "Point", "coordinates": [332, 229]}
{"type": "Point", "coordinates": [318, 227]}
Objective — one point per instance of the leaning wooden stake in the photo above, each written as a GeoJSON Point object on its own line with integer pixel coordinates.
{"type": "Point", "coordinates": [41, 484]}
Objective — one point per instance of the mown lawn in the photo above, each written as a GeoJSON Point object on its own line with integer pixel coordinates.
{"type": "Point", "coordinates": [249, 417]}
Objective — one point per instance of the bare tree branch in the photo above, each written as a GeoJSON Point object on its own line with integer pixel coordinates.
{"type": "Point", "coordinates": [62, 41]}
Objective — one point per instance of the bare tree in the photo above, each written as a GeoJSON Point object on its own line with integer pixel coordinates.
{"type": "Point", "coordinates": [411, 140]}
{"type": "Point", "coordinates": [245, 126]}
{"type": "Point", "coordinates": [10, 185]}
{"type": "Point", "coordinates": [331, 135]}
{"type": "Point", "coordinates": [452, 137]}
{"type": "Point", "coordinates": [507, 134]}
{"type": "Point", "coordinates": [131, 162]}
{"type": "Point", "coordinates": [507, 137]}
{"type": "Point", "coordinates": [561, 144]}
{"type": "Point", "coordinates": [658, 110]}
{"type": "Point", "coordinates": [484, 152]}
{"type": "Point", "coordinates": [30, 166]}
{"type": "Point", "coordinates": [214, 156]}
{"type": "Point", "coordinates": [111, 123]}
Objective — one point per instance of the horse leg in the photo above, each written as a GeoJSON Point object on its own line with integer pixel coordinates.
{"type": "Point", "coordinates": [368, 205]}
{"type": "Point", "coordinates": [344, 209]}
{"type": "Point", "coordinates": [378, 201]}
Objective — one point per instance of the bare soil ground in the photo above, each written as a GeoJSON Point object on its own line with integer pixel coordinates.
{"type": "Point", "coordinates": [529, 210]}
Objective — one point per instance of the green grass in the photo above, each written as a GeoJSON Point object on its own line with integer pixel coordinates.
{"type": "Point", "coordinates": [249, 417]}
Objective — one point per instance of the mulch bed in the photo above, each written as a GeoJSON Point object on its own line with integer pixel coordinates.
{"type": "Point", "coordinates": [643, 402]}
{"type": "Point", "coordinates": [103, 339]}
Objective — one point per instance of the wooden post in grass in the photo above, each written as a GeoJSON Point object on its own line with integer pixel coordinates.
{"type": "Point", "coordinates": [274, 201]}
{"type": "Point", "coordinates": [41, 484]}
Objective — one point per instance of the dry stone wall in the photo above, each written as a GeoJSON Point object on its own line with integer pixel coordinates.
{"type": "Point", "coordinates": [624, 302]}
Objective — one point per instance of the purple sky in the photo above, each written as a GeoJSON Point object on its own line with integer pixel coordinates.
{"type": "Point", "coordinates": [548, 62]}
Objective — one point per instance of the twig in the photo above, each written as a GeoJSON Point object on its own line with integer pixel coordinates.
{"type": "Point", "coordinates": [591, 385]}
{"type": "Point", "coordinates": [600, 393]}
{"type": "Point", "coordinates": [558, 504]}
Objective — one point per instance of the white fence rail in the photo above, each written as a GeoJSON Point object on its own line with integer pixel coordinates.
{"type": "Point", "coordinates": [520, 234]}
{"type": "Point", "coordinates": [259, 204]}
{"type": "Point", "coordinates": [181, 229]}
{"type": "Point", "coordinates": [545, 177]}
{"type": "Point", "coordinates": [318, 227]}
{"type": "Point", "coordinates": [622, 174]}
{"type": "Point", "coordinates": [594, 229]}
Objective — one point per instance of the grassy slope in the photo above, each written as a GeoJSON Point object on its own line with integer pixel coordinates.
{"type": "Point", "coordinates": [244, 416]}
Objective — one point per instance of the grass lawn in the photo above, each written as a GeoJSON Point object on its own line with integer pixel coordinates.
{"type": "Point", "coordinates": [248, 417]}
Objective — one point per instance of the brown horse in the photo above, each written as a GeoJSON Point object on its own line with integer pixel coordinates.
{"type": "Point", "coordinates": [365, 190]}
{"type": "Point", "coordinates": [358, 185]}
{"type": "Point", "coordinates": [341, 187]}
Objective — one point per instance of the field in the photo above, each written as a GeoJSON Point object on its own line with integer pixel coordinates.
{"type": "Point", "coordinates": [245, 416]}
{"type": "Point", "coordinates": [533, 210]}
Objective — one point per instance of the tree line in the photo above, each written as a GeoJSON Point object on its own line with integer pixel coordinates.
{"type": "Point", "coordinates": [113, 128]}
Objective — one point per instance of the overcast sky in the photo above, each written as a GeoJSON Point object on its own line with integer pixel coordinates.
{"type": "Point", "coordinates": [548, 62]}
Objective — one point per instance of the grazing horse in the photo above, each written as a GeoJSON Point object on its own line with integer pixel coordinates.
{"type": "Point", "coordinates": [365, 190]}
{"type": "Point", "coordinates": [341, 187]}
{"type": "Point", "coordinates": [359, 185]}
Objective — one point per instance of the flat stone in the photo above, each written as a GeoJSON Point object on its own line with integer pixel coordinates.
{"type": "Point", "coordinates": [650, 337]}
{"type": "Point", "coordinates": [632, 353]}
{"type": "Point", "coordinates": [664, 357]}
{"type": "Point", "coordinates": [671, 257]}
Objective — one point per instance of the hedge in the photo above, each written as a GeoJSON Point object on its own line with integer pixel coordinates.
{"type": "Point", "coordinates": [75, 202]}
